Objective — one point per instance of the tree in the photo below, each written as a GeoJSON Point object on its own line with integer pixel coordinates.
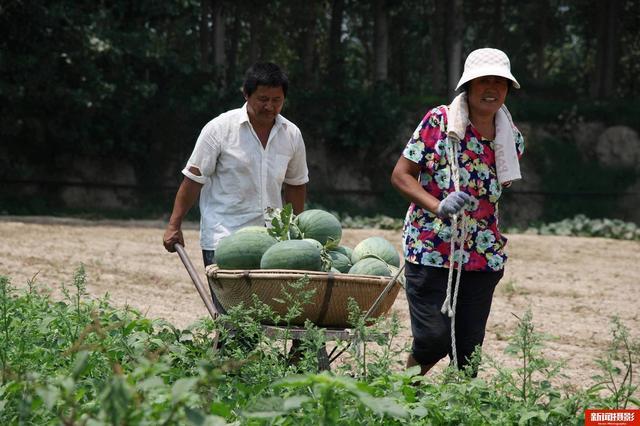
{"type": "Point", "coordinates": [218, 33]}
{"type": "Point", "coordinates": [456, 36]}
{"type": "Point", "coordinates": [381, 41]}
{"type": "Point", "coordinates": [607, 16]}
{"type": "Point", "coordinates": [335, 48]}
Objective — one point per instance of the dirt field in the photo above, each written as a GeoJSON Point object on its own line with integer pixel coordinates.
{"type": "Point", "coordinates": [573, 286]}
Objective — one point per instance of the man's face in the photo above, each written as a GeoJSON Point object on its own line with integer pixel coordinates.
{"type": "Point", "coordinates": [264, 104]}
{"type": "Point", "coordinates": [487, 94]}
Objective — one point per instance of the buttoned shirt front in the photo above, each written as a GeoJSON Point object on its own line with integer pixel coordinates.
{"type": "Point", "coordinates": [240, 177]}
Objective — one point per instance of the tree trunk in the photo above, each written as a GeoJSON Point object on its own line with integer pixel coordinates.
{"type": "Point", "coordinates": [218, 34]}
{"type": "Point", "coordinates": [543, 18]}
{"type": "Point", "coordinates": [497, 29]}
{"type": "Point", "coordinates": [437, 49]}
{"type": "Point", "coordinates": [256, 24]}
{"type": "Point", "coordinates": [611, 49]}
{"type": "Point", "coordinates": [336, 57]}
{"type": "Point", "coordinates": [455, 44]}
{"type": "Point", "coordinates": [381, 41]}
{"type": "Point", "coordinates": [604, 74]}
{"type": "Point", "coordinates": [310, 13]}
{"type": "Point", "coordinates": [232, 57]}
{"type": "Point", "coordinates": [205, 22]}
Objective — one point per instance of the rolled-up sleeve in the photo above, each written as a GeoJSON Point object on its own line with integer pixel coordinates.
{"type": "Point", "coordinates": [204, 156]}
{"type": "Point", "coordinates": [297, 171]}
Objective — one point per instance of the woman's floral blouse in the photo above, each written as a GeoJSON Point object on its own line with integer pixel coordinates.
{"type": "Point", "coordinates": [427, 238]}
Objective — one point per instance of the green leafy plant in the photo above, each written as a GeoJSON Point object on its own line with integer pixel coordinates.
{"type": "Point", "coordinates": [282, 222]}
{"type": "Point", "coordinates": [83, 361]}
{"type": "Point", "coordinates": [582, 226]}
{"type": "Point", "coordinates": [617, 367]}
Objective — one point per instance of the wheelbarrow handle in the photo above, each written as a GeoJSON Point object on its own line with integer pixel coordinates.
{"type": "Point", "coordinates": [384, 293]}
{"type": "Point", "coordinates": [208, 302]}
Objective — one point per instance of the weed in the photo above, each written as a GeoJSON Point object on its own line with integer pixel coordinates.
{"type": "Point", "coordinates": [618, 368]}
{"type": "Point", "coordinates": [82, 361]}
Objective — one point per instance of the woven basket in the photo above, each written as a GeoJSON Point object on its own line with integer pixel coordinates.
{"type": "Point", "coordinates": [328, 307]}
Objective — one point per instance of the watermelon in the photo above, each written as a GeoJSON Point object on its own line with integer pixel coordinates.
{"type": "Point", "coordinates": [339, 261]}
{"type": "Point", "coordinates": [243, 250]}
{"type": "Point", "coordinates": [370, 266]}
{"type": "Point", "coordinates": [376, 247]}
{"type": "Point", "coordinates": [292, 254]}
{"type": "Point", "coordinates": [252, 228]}
{"type": "Point", "coordinates": [347, 251]}
{"type": "Point", "coordinates": [319, 225]}
{"type": "Point", "coordinates": [314, 242]}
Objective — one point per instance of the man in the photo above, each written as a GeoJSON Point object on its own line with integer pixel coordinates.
{"type": "Point", "coordinates": [242, 162]}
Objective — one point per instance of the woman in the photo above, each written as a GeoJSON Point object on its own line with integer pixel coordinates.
{"type": "Point", "coordinates": [449, 172]}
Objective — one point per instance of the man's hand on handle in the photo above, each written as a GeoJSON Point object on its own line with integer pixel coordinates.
{"type": "Point", "coordinates": [172, 235]}
{"type": "Point", "coordinates": [185, 198]}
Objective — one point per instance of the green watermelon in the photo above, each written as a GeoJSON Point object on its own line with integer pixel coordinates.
{"type": "Point", "coordinates": [370, 266]}
{"type": "Point", "coordinates": [347, 251]}
{"type": "Point", "coordinates": [339, 261]}
{"type": "Point", "coordinates": [252, 228]}
{"type": "Point", "coordinates": [243, 250]}
{"type": "Point", "coordinates": [292, 254]}
{"type": "Point", "coordinates": [314, 242]}
{"type": "Point", "coordinates": [376, 247]}
{"type": "Point", "coordinates": [319, 225]}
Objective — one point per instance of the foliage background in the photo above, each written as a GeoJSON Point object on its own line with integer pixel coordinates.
{"type": "Point", "coordinates": [131, 84]}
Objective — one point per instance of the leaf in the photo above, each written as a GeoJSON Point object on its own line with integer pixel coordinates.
{"type": "Point", "coordinates": [44, 325]}
{"type": "Point", "coordinates": [419, 411]}
{"type": "Point", "coordinates": [525, 417]}
{"type": "Point", "coordinates": [220, 409]}
{"type": "Point", "coordinates": [49, 395]}
{"type": "Point", "coordinates": [182, 387]}
{"type": "Point", "coordinates": [383, 406]}
{"type": "Point", "coordinates": [294, 402]}
{"type": "Point", "coordinates": [150, 383]}
{"type": "Point", "coordinates": [80, 364]}
{"type": "Point", "coordinates": [216, 421]}
{"type": "Point", "coordinates": [263, 414]}
{"type": "Point", "coordinates": [186, 337]}
{"type": "Point", "coordinates": [281, 222]}
{"type": "Point", "coordinates": [195, 417]}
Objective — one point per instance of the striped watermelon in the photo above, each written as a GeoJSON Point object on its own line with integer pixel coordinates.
{"type": "Point", "coordinates": [370, 266]}
{"type": "Point", "coordinates": [292, 254]}
{"type": "Point", "coordinates": [376, 247]}
{"type": "Point", "coordinates": [319, 225]}
{"type": "Point", "coordinates": [243, 250]}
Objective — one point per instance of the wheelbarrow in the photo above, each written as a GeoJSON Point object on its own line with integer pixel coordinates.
{"type": "Point", "coordinates": [327, 309]}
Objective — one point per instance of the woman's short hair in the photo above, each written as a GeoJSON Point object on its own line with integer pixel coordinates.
{"type": "Point", "coordinates": [264, 74]}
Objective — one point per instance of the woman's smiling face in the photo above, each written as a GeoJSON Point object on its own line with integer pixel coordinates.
{"type": "Point", "coordinates": [487, 94]}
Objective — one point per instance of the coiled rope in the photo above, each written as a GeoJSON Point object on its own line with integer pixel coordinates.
{"type": "Point", "coordinates": [449, 305]}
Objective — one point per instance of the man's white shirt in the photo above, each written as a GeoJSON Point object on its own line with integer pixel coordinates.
{"type": "Point", "coordinates": [240, 177]}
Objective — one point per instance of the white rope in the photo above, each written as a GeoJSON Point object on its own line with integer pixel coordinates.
{"type": "Point", "coordinates": [449, 305]}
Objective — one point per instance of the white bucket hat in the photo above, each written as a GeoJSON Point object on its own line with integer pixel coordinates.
{"type": "Point", "coordinates": [487, 61]}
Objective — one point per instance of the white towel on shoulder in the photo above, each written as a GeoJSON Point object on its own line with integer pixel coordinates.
{"type": "Point", "coordinates": [507, 163]}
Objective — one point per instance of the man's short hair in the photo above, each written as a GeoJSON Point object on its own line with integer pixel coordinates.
{"type": "Point", "coordinates": [264, 74]}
